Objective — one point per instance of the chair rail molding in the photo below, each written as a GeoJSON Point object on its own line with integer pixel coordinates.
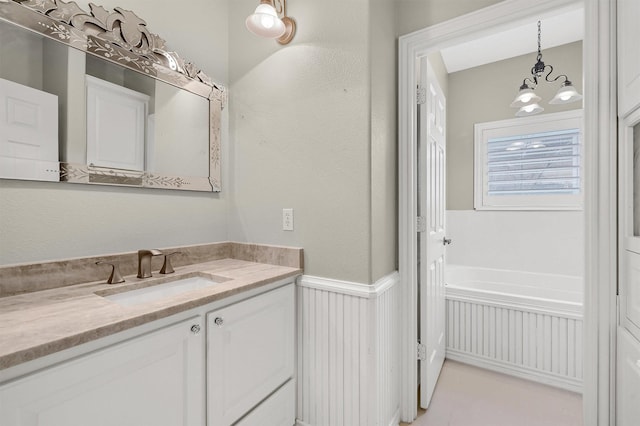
{"type": "Point", "coordinates": [600, 184]}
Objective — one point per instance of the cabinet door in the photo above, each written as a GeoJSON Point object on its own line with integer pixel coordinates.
{"type": "Point", "coordinates": [249, 354]}
{"type": "Point", "coordinates": [153, 380]}
{"type": "Point", "coordinates": [116, 118]}
{"type": "Point", "coordinates": [628, 56]}
{"type": "Point", "coordinates": [28, 133]}
{"type": "Point", "coordinates": [277, 410]}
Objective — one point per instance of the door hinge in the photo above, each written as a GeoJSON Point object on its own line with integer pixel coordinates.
{"type": "Point", "coordinates": [421, 224]}
{"type": "Point", "coordinates": [421, 352]}
{"type": "Point", "coordinates": [421, 96]}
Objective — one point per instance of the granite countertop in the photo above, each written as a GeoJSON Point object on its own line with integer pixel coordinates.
{"type": "Point", "coordinates": [39, 323]}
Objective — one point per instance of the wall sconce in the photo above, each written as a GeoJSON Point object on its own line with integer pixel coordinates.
{"type": "Point", "coordinates": [527, 100]}
{"type": "Point", "coordinates": [270, 20]}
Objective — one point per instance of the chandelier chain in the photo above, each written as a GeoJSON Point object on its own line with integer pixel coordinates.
{"type": "Point", "coordinates": [539, 43]}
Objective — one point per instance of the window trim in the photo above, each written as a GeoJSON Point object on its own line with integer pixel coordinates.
{"type": "Point", "coordinates": [517, 126]}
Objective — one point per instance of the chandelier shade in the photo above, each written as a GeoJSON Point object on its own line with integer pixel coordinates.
{"type": "Point", "coordinates": [566, 94]}
{"type": "Point", "coordinates": [530, 109]}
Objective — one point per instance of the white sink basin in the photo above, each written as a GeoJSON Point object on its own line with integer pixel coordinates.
{"type": "Point", "coordinates": [160, 291]}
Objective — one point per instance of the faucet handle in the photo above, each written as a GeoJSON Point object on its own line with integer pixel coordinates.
{"type": "Point", "coordinates": [116, 276]}
{"type": "Point", "coordinates": [167, 268]}
{"type": "Point", "coordinates": [149, 252]}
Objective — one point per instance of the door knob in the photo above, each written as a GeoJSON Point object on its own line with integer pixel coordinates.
{"type": "Point", "coordinates": [219, 321]}
{"type": "Point", "coordinates": [446, 241]}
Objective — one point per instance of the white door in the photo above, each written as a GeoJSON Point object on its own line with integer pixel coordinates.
{"type": "Point", "coordinates": [628, 330]}
{"type": "Point", "coordinates": [431, 235]}
{"type": "Point", "coordinates": [628, 338]}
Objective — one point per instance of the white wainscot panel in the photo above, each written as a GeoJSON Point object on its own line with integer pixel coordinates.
{"type": "Point", "coordinates": [532, 343]}
{"type": "Point", "coordinates": [537, 241]}
{"type": "Point", "coordinates": [348, 352]}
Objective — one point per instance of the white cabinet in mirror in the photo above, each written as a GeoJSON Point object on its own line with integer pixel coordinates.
{"type": "Point", "coordinates": [120, 109]}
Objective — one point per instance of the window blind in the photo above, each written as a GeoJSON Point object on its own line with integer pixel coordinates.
{"type": "Point", "coordinates": [534, 164]}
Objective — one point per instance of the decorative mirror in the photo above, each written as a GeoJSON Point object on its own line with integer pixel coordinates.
{"type": "Point", "coordinates": [94, 97]}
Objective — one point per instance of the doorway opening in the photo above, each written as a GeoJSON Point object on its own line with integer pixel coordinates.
{"type": "Point", "coordinates": [413, 49]}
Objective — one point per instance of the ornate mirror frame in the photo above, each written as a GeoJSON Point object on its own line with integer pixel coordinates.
{"type": "Point", "coordinates": [121, 37]}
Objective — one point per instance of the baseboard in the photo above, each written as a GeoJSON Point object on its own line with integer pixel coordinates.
{"type": "Point", "coordinates": [395, 421]}
{"type": "Point", "coordinates": [566, 383]}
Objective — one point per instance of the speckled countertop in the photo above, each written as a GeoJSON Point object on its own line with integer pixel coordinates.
{"type": "Point", "coordinates": [38, 323]}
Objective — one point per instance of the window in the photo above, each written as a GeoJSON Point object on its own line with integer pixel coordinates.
{"type": "Point", "coordinates": [531, 163]}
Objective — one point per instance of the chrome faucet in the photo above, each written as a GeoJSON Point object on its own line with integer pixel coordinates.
{"type": "Point", "coordinates": [144, 262]}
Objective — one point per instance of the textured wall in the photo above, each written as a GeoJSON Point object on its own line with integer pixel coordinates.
{"type": "Point", "coordinates": [301, 123]}
{"type": "Point", "coordinates": [414, 15]}
{"type": "Point", "coordinates": [483, 94]}
{"type": "Point", "coordinates": [44, 221]}
{"type": "Point", "coordinates": [384, 159]}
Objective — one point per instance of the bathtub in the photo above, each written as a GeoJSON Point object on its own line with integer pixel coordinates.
{"type": "Point", "coordinates": [520, 323]}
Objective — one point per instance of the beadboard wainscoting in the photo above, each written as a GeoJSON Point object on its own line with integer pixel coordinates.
{"type": "Point", "coordinates": [540, 344]}
{"type": "Point", "coordinates": [348, 352]}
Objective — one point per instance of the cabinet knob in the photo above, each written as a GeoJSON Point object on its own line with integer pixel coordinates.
{"type": "Point", "coordinates": [195, 328]}
{"type": "Point", "coordinates": [219, 321]}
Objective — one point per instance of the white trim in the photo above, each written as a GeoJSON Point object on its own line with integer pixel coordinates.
{"type": "Point", "coordinates": [600, 183]}
{"type": "Point", "coordinates": [527, 304]}
{"type": "Point", "coordinates": [550, 379]}
{"type": "Point", "coordinates": [396, 419]}
{"type": "Point", "coordinates": [348, 287]}
{"type": "Point", "coordinates": [599, 49]}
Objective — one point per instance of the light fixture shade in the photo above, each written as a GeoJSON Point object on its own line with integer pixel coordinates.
{"type": "Point", "coordinates": [525, 97]}
{"type": "Point", "coordinates": [527, 110]}
{"type": "Point", "coordinates": [566, 94]}
{"type": "Point", "coordinates": [265, 22]}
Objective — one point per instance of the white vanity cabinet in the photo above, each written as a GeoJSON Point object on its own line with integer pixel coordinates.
{"type": "Point", "coordinates": [250, 361]}
{"type": "Point", "coordinates": [151, 380]}
{"type": "Point", "coordinates": [227, 363]}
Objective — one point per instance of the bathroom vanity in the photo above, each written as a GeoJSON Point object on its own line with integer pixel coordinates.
{"type": "Point", "coordinates": [216, 355]}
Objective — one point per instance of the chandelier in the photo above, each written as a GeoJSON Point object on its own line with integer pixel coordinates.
{"type": "Point", "coordinates": [527, 100]}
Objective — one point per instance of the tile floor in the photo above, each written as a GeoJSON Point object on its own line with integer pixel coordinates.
{"type": "Point", "coordinates": [471, 396]}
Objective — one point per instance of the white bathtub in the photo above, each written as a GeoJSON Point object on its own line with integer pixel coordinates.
{"type": "Point", "coordinates": [520, 323]}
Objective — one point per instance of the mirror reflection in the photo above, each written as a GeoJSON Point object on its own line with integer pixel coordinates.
{"type": "Point", "coordinates": [105, 123]}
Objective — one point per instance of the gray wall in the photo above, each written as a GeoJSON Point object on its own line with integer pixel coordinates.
{"type": "Point", "coordinates": [414, 15]}
{"type": "Point", "coordinates": [483, 94]}
{"type": "Point", "coordinates": [384, 183]}
{"type": "Point", "coordinates": [311, 124]}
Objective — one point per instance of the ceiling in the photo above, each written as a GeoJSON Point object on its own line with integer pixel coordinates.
{"type": "Point", "coordinates": [560, 29]}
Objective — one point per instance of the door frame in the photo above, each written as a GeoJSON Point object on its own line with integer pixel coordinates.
{"type": "Point", "coordinates": [600, 205]}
